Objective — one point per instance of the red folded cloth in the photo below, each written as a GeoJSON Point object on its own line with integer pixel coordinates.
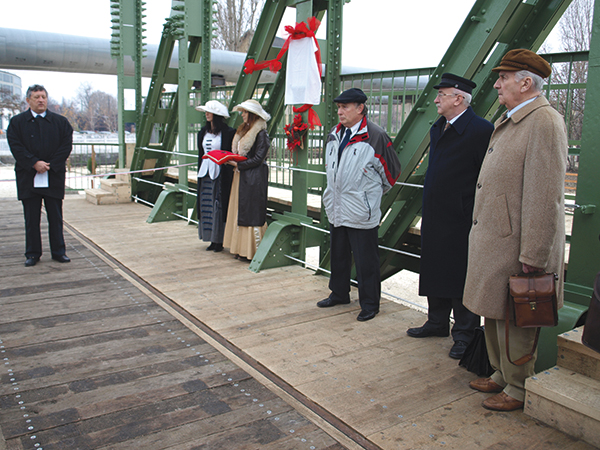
{"type": "Point", "coordinates": [222, 156]}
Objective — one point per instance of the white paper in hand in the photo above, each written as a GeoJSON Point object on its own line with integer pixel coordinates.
{"type": "Point", "coordinates": [41, 180]}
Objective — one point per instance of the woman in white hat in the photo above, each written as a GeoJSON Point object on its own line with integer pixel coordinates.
{"type": "Point", "coordinates": [247, 212]}
{"type": "Point", "coordinates": [214, 181]}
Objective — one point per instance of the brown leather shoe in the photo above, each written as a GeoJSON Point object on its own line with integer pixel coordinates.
{"type": "Point", "coordinates": [485, 385]}
{"type": "Point", "coordinates": [502, 402]}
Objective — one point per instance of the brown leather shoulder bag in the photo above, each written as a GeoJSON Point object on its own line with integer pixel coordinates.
{"type": "Point", "coordinates": [532, 300]}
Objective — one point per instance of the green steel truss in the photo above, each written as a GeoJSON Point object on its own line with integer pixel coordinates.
{"type": "Point", "coordinates": [127, 44]}
{"type": "Point", "coordinates": [491, 28]}
{"type": "Point", "coordinates": [584, 251]}
{"type": "Point", "coordinates": [170, 119]}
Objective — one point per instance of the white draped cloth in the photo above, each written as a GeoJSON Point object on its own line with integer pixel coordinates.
{"type": "Point", "coordinates": [303, 81]}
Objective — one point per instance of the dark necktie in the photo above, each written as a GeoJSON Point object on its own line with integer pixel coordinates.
{"type": "Point", "coordinates": [344, 142]}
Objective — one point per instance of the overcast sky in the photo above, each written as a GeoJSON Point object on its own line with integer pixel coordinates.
{"type": "Point", "coordinates": [377, 34]}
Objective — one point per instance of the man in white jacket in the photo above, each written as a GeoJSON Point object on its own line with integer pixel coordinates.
{"type": "Point", "coordinates": [361, 166]}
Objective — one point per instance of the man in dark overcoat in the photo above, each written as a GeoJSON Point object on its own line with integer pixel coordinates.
{"type": "Point", "coordinates": [41, 141]}
{"type": "Point", "coordinates": [458, 142]}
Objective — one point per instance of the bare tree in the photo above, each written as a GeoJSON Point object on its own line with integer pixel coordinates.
{"type": "Point", "coordinates": [103, 110]}
{"type": "Point", "coordinates": [10, 104]}
{"type": "Point", "coordinates": [68, 109]}
{"type": "Point", "coordinates": [10, 101]}
{"type": "Point", "coordinates": [575, 28]}
{"type": "Point", "coordinates": [83, 98]}
{"type": "Point", "coordinates": [236, 22]}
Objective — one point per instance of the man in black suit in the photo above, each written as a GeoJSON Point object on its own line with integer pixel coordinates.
{"type": "Point", "coordinates": [458, 142]}
{"type": "Point", "coordinates": [41, 141]}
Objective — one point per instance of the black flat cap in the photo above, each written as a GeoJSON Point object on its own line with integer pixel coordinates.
{"type": "Point", "coordinates": [352, 95]}
{"type": "Point", "coordinates": [451, 80]}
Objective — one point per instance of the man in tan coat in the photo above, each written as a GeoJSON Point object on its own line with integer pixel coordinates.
{"type": "Point", "coordinates": [518, 218]}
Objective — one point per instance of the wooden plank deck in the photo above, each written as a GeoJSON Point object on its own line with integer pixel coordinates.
{"type": "Point", "coordinates": [367, 385]}
{"type": "Point", "coordinates": [91, 361]}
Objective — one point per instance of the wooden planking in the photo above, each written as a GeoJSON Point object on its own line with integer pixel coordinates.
{"type": "Point", "coordinates": [90, 361]}
{"type": "Point", "coordinates": [461, 426]}
{"type": "Point", "coordinates": [564, 419]}
{"type": "Point", "coordinates": [271, 318]}
{"type": "Point", "coordinates": [566, 400]}
{"type": "Point", "coordinates": [574, 355]}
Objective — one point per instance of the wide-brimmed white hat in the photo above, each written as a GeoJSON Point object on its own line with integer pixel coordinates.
{"type": "Point", "coordinates": [253, 106]}
{"type": "Point", "coordinates": [215, 107]}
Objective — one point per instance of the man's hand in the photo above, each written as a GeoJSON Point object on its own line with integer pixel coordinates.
{"type": "Point", "coordinates": [530, 269]}
{"type": "Point", "coordinates": [41, 166]}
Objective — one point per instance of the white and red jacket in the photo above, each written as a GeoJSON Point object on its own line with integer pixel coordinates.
{"type": "Point", "coordinates": [367, 169]}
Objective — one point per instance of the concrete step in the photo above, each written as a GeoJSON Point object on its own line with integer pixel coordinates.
{"type": "Point", "coordinates": [565, 400]}
{"type": "Point", "coordinates": [120, 188]}
{"type": "Point", "coordinates": [575, 356]}
{"type": "Point", "coordinates": [124, 177]}
{"type": "Point", "coordinates": [100, 197]}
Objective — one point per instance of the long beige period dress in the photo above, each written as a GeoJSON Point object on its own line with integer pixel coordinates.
{"type": "Point", "coordinates": [242, 240]}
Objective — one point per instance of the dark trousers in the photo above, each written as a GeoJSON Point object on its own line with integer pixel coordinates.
{"type": "Point", "coordinates": [346, 242]}
{"type": "Point", "coordinates": [438, 316]}
{"type": "Point", "coordinates": [32, 208]}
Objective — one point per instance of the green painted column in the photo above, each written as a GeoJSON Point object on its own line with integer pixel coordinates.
{"type": "Point", "coordinates": [127, 41]}
{"type": "Point", "coordinates": [304, 11]}
{"type": "Point", "coordinates": [584, 255]}
{"type": "Point", "coordinates": [194, 43]}
{"type": "Point", "coordinates": [332, 57]}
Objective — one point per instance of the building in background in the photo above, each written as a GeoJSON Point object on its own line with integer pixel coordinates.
{"type": "Point", "coordinates": [10, 90]}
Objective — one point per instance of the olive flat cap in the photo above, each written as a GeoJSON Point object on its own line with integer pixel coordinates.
{"type": "Point", "coordinates": [451, 80]}
{"type": "Point", "coordinates": [352, 95]}
{"type": "Point", "coordinates": [523, 59]}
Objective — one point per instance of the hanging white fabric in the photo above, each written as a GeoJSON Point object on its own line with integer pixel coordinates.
{"type": "Point", "coordinates": [303, 81]}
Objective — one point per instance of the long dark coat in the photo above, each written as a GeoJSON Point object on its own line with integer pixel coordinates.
{"type": "Point", "coordinates": [48, 139]}
{"type": "Point", "coordinates": [455, 158]}
{"type": "Point", "coordinates": [254, 179]}
{"type": "Point", "coordinates": [226, 175]}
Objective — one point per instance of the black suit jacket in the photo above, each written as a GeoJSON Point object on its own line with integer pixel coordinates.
{"type": "Point", "coordinates": [48, 139]}
{"type": "Point", "coordinates": [455, 158]}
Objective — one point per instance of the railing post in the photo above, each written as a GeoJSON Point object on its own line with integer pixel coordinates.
{"type": "Point", "coordinates": [93, 171]}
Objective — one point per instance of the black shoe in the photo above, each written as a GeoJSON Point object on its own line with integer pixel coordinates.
{"type": "Point", "coordinates": [425, 331]}
{"type": "Point", "coordinates": [211, 247]}
{"type": "Point", "coordinates": [363, 316]}
{"type": "Point", "coordinates": [217, 248]}
{"type": "Point", "coordinates": [31, 261]}
{"type": "Point", "coordinates": [458, 350]}
{"type": "Point", "coordinates": [61, 258]}
{"type": "Point", "coordinates": [326, 303]}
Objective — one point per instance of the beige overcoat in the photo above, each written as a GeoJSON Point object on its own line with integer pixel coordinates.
{"type": "Point", "coordinates": [519, 214]}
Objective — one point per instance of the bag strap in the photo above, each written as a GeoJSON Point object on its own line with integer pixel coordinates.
{"type": "Point", "coordinates": [523, 359]}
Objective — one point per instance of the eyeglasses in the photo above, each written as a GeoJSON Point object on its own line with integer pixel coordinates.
{"type": "Point", "coordinates": [441, 94]}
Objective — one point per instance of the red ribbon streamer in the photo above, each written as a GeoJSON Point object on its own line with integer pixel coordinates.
{"type": "Point", "coordinates": [300, 31]}
{"type": "Point", "coordinates": [313, 117]}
